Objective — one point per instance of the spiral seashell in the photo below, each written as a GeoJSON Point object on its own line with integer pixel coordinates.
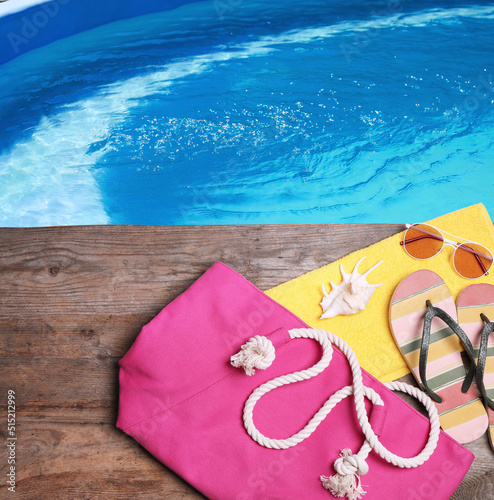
{"type": "Point", "coordinates": [351, 296]}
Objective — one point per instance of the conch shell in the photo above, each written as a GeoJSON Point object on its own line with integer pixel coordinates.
{"type": "Point", "coordinates": [351, 295]}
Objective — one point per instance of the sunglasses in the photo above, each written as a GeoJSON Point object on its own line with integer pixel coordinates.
{"type": "Point", "coordinates": [470, 260]}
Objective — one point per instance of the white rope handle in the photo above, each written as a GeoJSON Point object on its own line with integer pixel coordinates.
{"type": "Point", "coordinates": [258, 353]}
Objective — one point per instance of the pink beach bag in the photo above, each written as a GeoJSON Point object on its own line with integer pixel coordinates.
{"type": "Point", "coordinates": [266, 436]}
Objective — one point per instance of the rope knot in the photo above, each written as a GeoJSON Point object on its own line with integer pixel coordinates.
{"type": "Point", "coordinates": [346, 481]}
{"type": "Point", "coordinates": [258, 352]}
{"type": "Point", "coordinates": [349, 464]}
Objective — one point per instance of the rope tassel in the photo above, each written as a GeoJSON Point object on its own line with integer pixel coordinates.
{"type": "Point", "coordinates": [346, 481]}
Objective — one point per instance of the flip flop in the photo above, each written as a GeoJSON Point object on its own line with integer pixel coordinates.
{"type": "Point", "coordinates": [418, 333]}
{"type": "Point", "coordinates": [473, 301]}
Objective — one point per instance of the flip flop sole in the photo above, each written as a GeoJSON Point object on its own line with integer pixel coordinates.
{"type": "Point", "coordinates": [462, 415]}
{"type": "Point", "coordinates": [473, 300]}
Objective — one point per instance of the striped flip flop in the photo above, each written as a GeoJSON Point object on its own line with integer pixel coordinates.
{"type": "Point", "coordinates": [473, 301]}
{"type": "Point", "coordinates": [461, 414]}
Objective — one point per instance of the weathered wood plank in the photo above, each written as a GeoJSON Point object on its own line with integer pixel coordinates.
{"type": "Point", "coordinates": [72, 301]}
{"type": "Point", "coordinates": [57, 460]}
{"type": "Point", "coordinates": [62, 389]}
{"type": "Point", "coordinates": [70, 335]}
{"type": "Point", "coordinates": [84, 269]}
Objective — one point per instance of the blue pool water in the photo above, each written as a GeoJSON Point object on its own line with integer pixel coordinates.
{"type": "Point", "coordinates": [254, 112]}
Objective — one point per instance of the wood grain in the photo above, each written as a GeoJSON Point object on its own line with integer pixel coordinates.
{"type": "Point", "coordinates": [72, 301]}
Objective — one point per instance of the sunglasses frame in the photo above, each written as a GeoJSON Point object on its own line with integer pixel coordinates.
{"type": "Point", "coordinates": [455, 244]}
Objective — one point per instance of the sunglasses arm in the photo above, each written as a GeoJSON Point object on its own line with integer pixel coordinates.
{"type": "Point", "coordinates": [479, 260]}
{"type": "Point", "coordinates": [421, 237]}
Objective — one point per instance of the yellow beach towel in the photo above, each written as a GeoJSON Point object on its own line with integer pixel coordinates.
{"type": "Point", "coordinates": [368, 332]}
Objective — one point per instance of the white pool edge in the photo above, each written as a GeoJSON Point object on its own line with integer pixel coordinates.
{"type": "Point", "coordinates": [14, 6]}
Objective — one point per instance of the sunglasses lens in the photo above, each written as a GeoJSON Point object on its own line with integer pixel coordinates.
{"type": "Point", "coordinates": [472, 260]}
{"type": "Point", "coordinates": [422, 241]}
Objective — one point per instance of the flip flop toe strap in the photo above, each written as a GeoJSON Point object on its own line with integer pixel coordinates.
{"type": "Point", "coordinates": [486, 331]}
{"type": "Point", "coordinates": [432, 312]}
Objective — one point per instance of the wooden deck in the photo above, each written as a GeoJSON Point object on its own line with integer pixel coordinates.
{"type": "Point", "coordinates": [72, 301]}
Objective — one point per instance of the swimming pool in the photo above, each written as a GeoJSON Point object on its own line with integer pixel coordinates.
{"type": "Point", "coordinates": [231, 111]}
